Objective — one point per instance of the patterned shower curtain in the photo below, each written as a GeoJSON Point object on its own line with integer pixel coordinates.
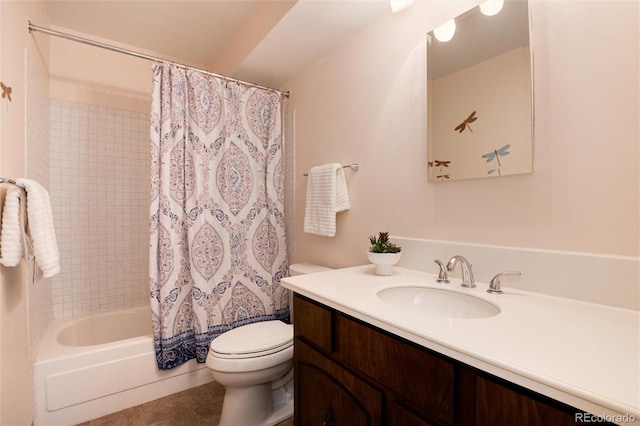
{"type": "Point", "coordinates": [217, 247]}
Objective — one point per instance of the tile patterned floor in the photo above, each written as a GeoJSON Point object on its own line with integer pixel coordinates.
{"type": "Point", "coordinates": [198, 406]}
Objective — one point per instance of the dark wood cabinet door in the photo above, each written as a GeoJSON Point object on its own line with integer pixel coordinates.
{"type": "Point", "coordinates": [398, 415]}
{"type": "Point", "coordinates": [420, 377]}
{"type": "Point", "coordinates": [328, 395]}
{"type": "Point", "coordinates": [498, 405]}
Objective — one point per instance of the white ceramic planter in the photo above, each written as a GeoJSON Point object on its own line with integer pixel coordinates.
{"type": "Point", "coordinates": [384, 262]}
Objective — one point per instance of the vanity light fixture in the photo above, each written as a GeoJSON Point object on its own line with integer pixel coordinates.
{"type": "Point", "coordinates": [491, 7]}
{"type": "Point", "coordinates": [398, 5]}
{"type": "Point", "coordinates": [445, 31]}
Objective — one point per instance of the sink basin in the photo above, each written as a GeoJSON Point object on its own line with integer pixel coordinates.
{"type": "Point", "coordinates": [438, 302]}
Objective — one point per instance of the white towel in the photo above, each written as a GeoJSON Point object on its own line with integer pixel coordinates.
{"type": "Point", "coordinates": [12, 234]}
{"type": "Point", "coordinates": [40, 226]}
{"type": "Point", "coordinates": [326, 195]}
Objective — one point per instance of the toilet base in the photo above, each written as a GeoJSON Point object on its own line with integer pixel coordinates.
{"type": "Point", "coordinates": [257, 405]}
{"type": "Point", "coordinates": [280, 413]}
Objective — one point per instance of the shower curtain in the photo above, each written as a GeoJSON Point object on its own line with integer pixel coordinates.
{"type": "Point", "coordinates": [217, 246]}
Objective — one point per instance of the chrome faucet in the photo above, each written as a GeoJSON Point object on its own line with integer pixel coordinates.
{"type": "Point", "coordinates": [467, 274]}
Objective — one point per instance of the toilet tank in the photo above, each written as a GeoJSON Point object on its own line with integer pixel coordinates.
{"type": "Point", "coordinates": [305, 268]}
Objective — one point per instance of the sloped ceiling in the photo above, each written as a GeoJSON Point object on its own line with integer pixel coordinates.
{"type": "Point", "coordinates": [262, 41]}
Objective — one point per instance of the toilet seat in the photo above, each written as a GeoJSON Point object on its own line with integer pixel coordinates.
{"type": "Point", "coordinates": [253, 340]}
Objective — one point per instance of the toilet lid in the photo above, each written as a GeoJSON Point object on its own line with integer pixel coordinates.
{"type": "Point", "coordinates": [252, 340]}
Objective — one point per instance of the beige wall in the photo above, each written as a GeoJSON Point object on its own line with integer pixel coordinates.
{"type": "Point", "coordinates": [15, 362]}
{"type": "Point", "coordinates": [366, 103]}
{"type": "Point", "coordinates": [94, 76]}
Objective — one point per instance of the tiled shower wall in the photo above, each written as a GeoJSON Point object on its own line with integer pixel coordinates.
{"type": "Point", "coordinates": [100, 199]}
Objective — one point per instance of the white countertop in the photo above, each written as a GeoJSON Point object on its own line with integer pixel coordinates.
{"type": "Point", "coordinates": [583, 354]}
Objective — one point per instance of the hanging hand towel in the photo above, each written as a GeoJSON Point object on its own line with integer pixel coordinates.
{"type": "Point", "coordinates": [326, 195]}
{"type": "Point", "coordinates": [12, 230]}
{"type": "Point", "coordinates": [40, 224]}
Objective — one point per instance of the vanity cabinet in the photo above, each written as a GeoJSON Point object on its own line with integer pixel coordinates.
{"type": "Point", "coordinates": [348, 372]}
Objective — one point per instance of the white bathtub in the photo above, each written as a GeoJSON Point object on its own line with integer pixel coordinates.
{"type": "Point", "coordinates": [90, 366]}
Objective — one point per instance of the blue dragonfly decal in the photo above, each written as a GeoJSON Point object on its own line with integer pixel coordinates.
{"type": "Point", "coordinates": [495, 155]}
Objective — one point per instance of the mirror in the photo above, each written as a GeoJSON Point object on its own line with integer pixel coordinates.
{"type": "Point", "coordinates": [479, 96]}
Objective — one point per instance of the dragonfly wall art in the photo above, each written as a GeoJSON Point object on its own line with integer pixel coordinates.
{"type": "Point", "coordinates": [6, 91]}
{"type": "Point", "coordinates": [495, 155]}
{"type": "Point", "coordinates": [466, 124]}
{"type": "Point", "coordinates": [440, 164]}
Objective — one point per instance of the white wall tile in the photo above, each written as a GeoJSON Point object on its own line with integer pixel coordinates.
{"type": "Point", "coordinates": [99, 208]}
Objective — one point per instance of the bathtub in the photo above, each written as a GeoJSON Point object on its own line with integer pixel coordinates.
{"type": "Point", "coordinates": [90, 366]}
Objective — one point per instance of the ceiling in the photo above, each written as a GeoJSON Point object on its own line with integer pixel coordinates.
{"type": "Point", "coordinates": [263, 41]}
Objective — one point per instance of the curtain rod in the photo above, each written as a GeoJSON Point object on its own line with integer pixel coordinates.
{"type": "Point", "coordinates": [142, 55]}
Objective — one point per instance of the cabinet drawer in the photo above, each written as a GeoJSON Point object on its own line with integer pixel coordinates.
{"type": "Point", "coordinates": [426, 380]}
{"type": "Point", "coordinates": [312, 322]}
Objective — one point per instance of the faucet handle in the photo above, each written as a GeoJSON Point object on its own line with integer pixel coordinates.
{"type": "Point", "coordinates": [443, 276]}
{"type": "Point", "coordinates": [494, 284]}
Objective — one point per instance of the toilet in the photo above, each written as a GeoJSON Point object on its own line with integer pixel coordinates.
{"type": "Point", "coordinates": [254, 363]}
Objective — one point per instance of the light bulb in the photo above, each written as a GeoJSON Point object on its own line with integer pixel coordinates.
{"type": "Point", "coordinates": [445, 31]}
{"type": "Point", "coordinates": [491, 7]}
{"type": "Point", "coordinates": [398, 5]}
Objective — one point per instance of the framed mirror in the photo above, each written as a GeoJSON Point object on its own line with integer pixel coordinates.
{"type": "Point", "coordinates": [480, 95]}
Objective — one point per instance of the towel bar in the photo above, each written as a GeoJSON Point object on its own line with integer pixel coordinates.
{"type": "Point", "coordinates": [352, 166]}
{"type": "Point", "coordinates": [11, 182]}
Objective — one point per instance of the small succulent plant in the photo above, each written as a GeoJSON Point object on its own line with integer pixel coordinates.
{"type": "Point", "coordinates": [380, 244]}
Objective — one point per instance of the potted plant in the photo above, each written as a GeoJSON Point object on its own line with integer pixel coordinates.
{"type": "Point", "coordinates": [383, 253]}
